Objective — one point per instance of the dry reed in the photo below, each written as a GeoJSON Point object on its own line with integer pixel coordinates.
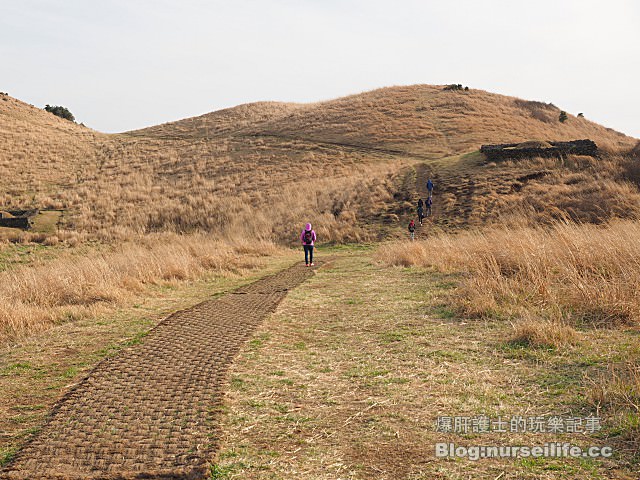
{"type": "Point", "coordinates": [35, 297]}
{"type": "Point", "coordinates": [578, 273]}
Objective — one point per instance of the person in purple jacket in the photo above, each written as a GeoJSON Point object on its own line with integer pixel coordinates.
{"type": "Point", "coordinates": [308, 238]}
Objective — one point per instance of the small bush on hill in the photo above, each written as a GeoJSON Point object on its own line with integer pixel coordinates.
{"type": "Point", "coordinates": [456, 86]}
{"type": "Point", "coordinates": [61, 112]}
{"type": "Point", "coordinates": [563, 116]}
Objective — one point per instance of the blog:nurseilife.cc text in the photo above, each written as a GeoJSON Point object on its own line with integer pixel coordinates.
{"type": "Point", "coordinates": [551, 450]}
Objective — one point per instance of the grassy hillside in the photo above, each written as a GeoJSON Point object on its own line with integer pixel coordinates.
{"type": "Point", "coordinates": [41, 153]}
{"type": "Point", "coordinates": [261, 166]}
{"type": "Point", "coordinates": [434, 122]}
{"type": "Point", "coordinates": [222, 122]}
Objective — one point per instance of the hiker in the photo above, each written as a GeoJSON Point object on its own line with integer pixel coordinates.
{"type": "Point", "coordinates": [420, 203]}
{"type": "Point", "coordinates": [420, 213]}
{"type": "Point", "coordinates": [430, 187]}
{"type": "Point", "coordinates": [428, 204]}
{"type": "Point", "coordinates": [308, 238]}
{"type": "Point", "coordinates": [412, 229]}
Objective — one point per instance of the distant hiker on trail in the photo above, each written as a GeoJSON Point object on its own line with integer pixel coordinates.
{"type": "Point", "coordinates": [308, 238]}
{"type": "Point", "coordinates": [420, 203]}
{"type": "Point", "coordinates": [430, 187]}
{"type": "Point", "coordinates": [412, 229]}
{"type": "Point", "coordinates": [428, 204]}
{"type": "Point", "coordinates": [421, 213]}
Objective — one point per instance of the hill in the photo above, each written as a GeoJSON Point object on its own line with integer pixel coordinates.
{"type": "Point", "coordinates": [257, 169]}
{"type": "Point", "coordinates": [38, 148]}
{"type": "Point", "coordinates": [434, 122]}
{"type": "Point", "coordinates": [166, 216]}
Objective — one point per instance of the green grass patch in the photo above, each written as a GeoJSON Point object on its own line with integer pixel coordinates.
{"type": "Point", "coordinates": [444, 312]}
{"type": "Point", "coordinates": [393, 336]}
{"type": "Point", "coordinates": [7, 454]}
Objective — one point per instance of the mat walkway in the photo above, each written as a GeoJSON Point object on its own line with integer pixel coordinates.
{"type": "Point", "coordinates": [150, 412]}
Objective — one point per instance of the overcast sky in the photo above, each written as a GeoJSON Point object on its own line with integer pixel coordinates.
{"type": "Point", "coordinates": [125, 64]}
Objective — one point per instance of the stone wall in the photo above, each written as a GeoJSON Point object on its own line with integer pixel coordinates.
{"type": "Point", "coordinates": [18, 218]}
{"type": "Point", "coordinates": [16, 222]}
{"type": "Point", "coordinates": [513, 151]}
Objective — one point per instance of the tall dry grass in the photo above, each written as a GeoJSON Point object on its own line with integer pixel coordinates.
{"type": "Point", "coordinates": [617, 391]}
{"type": "Point", "coordinates": [36, 297]}
{"type": "Point", "coordinates": [578, 188]}
{"type": "Point", "coordinates": [194, 199]}
{"type": "Point", "coordinates": [546, 281]}
{"type": "Point", "coordinates": [574, 273]}
{"type": "Point", "coordinates": [254, 173]}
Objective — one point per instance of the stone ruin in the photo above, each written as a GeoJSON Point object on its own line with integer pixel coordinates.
{"type": "Point", "coordinates": [513, 151]}
{"type": "Point", "coordinates": [17, 218]}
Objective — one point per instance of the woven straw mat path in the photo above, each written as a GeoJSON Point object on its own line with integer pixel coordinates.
{"type": "Point", "coordinates": [150, 412]}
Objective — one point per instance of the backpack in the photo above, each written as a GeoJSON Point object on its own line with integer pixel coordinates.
{"type": "Point", "coordinates": [308, 237]}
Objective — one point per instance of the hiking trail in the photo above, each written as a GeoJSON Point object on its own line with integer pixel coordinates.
{"type": "Point", "coordinates": [151, 411]}
{"type": "Point", "coordinates": [466, 191]}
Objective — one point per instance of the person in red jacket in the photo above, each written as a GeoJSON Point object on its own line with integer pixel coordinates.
{"type": "Point", "coordinates": [412, 229]}
{"type": "Point", "coordinates": [308, 239]}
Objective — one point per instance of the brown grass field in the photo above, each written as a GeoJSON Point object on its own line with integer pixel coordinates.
{"type": "Point", "coordinates": [533, 263]}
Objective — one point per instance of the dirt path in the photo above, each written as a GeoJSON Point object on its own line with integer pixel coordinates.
{"type": "Point", "coordinates": [467, 192]}
{"type": "Point", "coordinates": [151, 411]}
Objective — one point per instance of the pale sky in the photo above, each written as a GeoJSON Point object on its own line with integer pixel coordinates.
{"type": "Point", "coordinates": [125, 64]}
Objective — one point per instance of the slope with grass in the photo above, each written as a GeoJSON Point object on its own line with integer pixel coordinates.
{"type": "Point", "coordinates": [238, 177]}
{"type": "Point", "coordinates": [472, 193]}
{"type": "Point", "coordinates": [41, 154]}
{"type": "Point", "coordinates": [219, 172]}
{"type": "Point", "coordinates": [431, 121]}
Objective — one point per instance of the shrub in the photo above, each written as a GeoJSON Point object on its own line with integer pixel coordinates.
{"type": "Point", "coordinates": [456, 86]}
{"type": "Point", "coordinates": [563, 116]}
{"type": "Point", "coordinates": [581, 115]}
{"type": "Point", "coordinates": [61, 112]}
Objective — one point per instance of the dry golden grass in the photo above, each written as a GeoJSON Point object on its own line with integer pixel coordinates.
{"type": "Point", "coordinates": [427, 120]}
{"type": "Point", "coordinates": [535, 332]}
{"type": "Point", "coordinates": [581, 189]}
{"type": "Point", "coordinates": [551, 281]}
{"type": "Point", "coordinates": [220, 123]}
{"type": "Point", "coordinates": [577, 273]}
{"type": "Point", "coordinates": [179, 201]}
{"type": "Point", "coordinates": [238, 176]}
{"type": "Point", "coordinates": [223, 196]}
{"type": "Point", "coordinates": [472, 193]}
{"type": "Point", "coordinates": [347, 379]}
{"type": "Point", "coordinates": [35, 297]}
{"type": "Point", "coordinates": [617, 391]}
{"type": "Point", "coordinates": [619, 387]}
{"type": "Point", "coordinates": [256, 188]}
